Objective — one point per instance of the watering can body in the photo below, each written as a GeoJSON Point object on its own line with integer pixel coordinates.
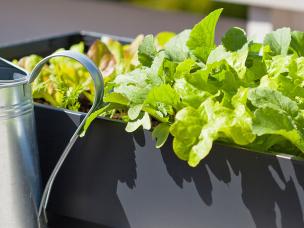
{"type": "Point", "coordinates": [22, 201]}
{"type": "Point", "coordinates": [19, 169]}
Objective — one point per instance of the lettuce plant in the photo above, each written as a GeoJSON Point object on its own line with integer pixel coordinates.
{"type": "Point", "coordinates": [239, 92]}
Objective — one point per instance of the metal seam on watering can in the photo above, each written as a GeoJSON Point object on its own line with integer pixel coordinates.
{"type": "Point", "coordinates": [16, 110]}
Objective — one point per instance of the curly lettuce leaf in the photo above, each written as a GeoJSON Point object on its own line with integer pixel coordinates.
{"type": "Point", "coordinates": [277, 114]}
{"type": "Point", "coordinates": [208, 123]}
{"type": "Point", "coordinates": [176, 48]}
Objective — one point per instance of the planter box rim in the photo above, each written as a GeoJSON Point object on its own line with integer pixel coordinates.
{"type": "Point", "coordinates": [61, 34]}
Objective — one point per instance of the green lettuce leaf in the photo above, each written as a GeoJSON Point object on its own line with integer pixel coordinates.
{"type": "Point", "coordinates": [201, 41]}
{"type": "Point", "coordinates": [143, 120]}
{"type": "Point", "coordinates": [297, 42]}
{"type": "Point", "coordinates": [135, 85]}
{"type": "Point", "coordinates": [234, 39]}
{"type": "Point", "coordinates": [161, 133]}
{"type": "Point", "coordinates": [270, 121]}
{"type": "Point", "coordinates": [277, 114]}
{"type": "Point", "coordinates": [147, 51]}
{"type": "Point", "coordinates": [162, 38]}
{"type": "Point", "coordinates": [208, 123]}
{"type": "Point", "coordinates": [278, 41]}
{"type": "Point", "coordinates": [176, 48]}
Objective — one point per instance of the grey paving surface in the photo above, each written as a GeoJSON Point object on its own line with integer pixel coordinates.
{"type": "Point", "coordinates": [26, 19]}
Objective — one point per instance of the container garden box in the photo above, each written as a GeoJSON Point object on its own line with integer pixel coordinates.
{"type": "Point", "coordinates": [120, 180]}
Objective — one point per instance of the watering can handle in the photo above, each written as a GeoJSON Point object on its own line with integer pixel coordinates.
{"type": "Point", "coordinates": [98, 83]}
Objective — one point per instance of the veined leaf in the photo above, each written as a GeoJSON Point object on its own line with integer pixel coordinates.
{"type": "Point", "coordinates": [147, 51]}
{"type": "Point", "coordinates": [201, 41]}
{"type": "Point", "coordinates": [278, 41]}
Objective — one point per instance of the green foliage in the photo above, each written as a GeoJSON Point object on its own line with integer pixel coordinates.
{"type": "Point", "coordinates": [66, 84]}
{"type": "Point", "coordinates": [161, 133]}
{"type": "Point", "coordinates": [147, 51]}
{"type": "Point", "coordinates": [163, 37]}
{"type": "Point", "coordinates": [234, 39]}
{"type": "Point", "coordinates": [297, 42]}
{"type": "Point", "coordinates": [201, 41]}
{"type": "Point", "coordinates": [278, 41]}
{"type": "Point", "coordinates": [239, 92]}
{"type": "Point", "coordinates": [176, 48]}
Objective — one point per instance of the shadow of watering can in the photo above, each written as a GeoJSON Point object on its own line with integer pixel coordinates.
{"type": "Point", "coordinates": [23, 203]}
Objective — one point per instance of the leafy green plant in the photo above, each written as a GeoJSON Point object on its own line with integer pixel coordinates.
{"type": "Point", "coordinates": [239, 92]}
{"type": "Point", "coordinates": [65, 83]}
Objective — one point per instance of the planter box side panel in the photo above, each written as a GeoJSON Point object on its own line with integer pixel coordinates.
{"type": "Point", "coordinates": [120, 180]}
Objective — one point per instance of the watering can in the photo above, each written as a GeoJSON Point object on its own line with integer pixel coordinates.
{"type": "Point", "coordinates": [22, 202]}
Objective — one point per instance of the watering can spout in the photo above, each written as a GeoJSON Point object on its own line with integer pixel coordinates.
{"type": "Point", "coordinates": [23, 203]}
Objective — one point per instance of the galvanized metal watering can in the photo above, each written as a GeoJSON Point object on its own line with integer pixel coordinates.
{"type": "Point", "coordinates": [22, 201]}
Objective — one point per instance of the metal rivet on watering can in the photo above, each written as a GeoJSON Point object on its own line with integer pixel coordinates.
{"type": "Point", "coordinates": [23, 203]}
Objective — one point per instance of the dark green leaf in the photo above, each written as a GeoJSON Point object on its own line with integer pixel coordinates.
{"type": "Point", "coordinates": [234, 39]}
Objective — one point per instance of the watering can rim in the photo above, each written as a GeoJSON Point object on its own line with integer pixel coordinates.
{"type": "Point", "coordinates": [16, 81]}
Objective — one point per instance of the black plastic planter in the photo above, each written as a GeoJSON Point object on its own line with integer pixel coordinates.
{"type": "Point", "coordinates": [119, 180]}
